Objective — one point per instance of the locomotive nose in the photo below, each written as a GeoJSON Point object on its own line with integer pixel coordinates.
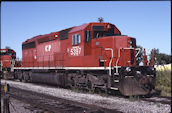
{"type": "Point", "coordinates": [131, 86]}
{"type": "Point", "coordinates": [137, 83]}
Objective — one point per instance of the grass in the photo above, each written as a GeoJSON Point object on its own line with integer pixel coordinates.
{"type": "Point", "coordinates": [163, 82]}
{"type": "Point", "coordinates": [76, 90]}
{"type": "Point", "coordinates": [133, 98]}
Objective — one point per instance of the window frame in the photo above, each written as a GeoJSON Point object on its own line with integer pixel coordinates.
{"type": "Point", "coordinates": [76, 39]}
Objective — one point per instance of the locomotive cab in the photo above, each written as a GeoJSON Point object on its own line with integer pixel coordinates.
{"type": "Point", "coordinates": [96, 38]}
{"type": "Point", "coordinates": [7, 58]}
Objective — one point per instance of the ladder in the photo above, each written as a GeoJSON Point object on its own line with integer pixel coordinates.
{"type": "Point", "coordinates": [115, 80]}
{"type": "Point", "coordinates": [114, 77]}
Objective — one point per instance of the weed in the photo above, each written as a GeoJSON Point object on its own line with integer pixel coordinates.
{"type": "Point", "coordinates": [163, 82]}
{"type": "Point", "coordinates": [158, 104]}
{"type": "Point", "coordinates": [134, 98]}
{"type": "Point", "coordinates": [76, 90]}
{"type": "Point", "coordinates": [91, 92]}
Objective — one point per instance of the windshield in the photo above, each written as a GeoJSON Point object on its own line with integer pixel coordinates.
{"type": "Point", "coordinates": [99, 31]}
{"type": "Point", "coordinates": [7, 52]}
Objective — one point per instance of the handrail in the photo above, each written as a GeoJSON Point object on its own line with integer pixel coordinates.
{"type": "Point", "coordinates": [1, 66]}
{"type": "Point", "coordinates": [138, 51]}
{"type": "Point", "coordinates": [110, 63]}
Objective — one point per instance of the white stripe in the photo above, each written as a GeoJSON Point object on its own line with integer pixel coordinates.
{"type": "Point", "coordinates": [72, 68]}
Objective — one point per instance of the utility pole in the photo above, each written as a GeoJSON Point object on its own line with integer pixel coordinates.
{"type": "Point", "coordinates": [6, 99]}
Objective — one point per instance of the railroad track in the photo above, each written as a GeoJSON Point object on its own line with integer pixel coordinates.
{"type": "Point", "coordinates": [154, 99]}
{"type": "Point", "coordinates": [48, 104]}
{"type": "Point", "coordinates": [158, 99]}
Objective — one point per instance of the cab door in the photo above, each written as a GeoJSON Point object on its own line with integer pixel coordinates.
{"type": "Point", "coordinates": [87, 44]}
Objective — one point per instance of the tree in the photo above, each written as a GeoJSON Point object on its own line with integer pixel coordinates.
{"type": "Point", "coordinates": [161, 58]}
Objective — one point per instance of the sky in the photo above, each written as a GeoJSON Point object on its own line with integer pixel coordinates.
{"type": "Point", "coordinates": [147, 21]}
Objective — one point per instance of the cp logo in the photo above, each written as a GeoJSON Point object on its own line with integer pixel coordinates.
{"type": "Point", "coordinates": [47, 48]}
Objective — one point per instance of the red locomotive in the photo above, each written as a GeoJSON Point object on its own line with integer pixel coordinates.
{"type": "Point", "coordinates": [7, 59]}
{"type": "Point", "coordinates": [94, 56]}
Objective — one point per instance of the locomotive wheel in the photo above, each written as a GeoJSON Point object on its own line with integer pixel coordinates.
{"type": "Point", "coordinates": [72, 84]}
{"type": "Point", "coordinates": [8, 75]}
{"type": "Point", "coordinates": [19, 76]}
{"type": "Point", "coordinates": [90, 86]}
{"type": "Point", "coordinates": [24, 78]}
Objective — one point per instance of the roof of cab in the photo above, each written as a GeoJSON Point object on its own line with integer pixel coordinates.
{"type": "Point", "coordinates": [83, 26]}
{"type": "Point", "coordinates": [79, 28]}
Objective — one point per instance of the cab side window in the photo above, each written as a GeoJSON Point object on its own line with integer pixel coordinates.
{"type": "Point", "coordinates": [87, 36]}
{"type": "Point", "coordinates": [76, 39]}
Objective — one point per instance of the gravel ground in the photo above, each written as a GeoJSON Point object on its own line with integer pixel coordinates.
{"type": "Point", "coordinates": [109, 102]}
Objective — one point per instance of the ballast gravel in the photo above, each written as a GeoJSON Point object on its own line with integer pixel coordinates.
{"type": "Point", "coordinates": [109, 102]}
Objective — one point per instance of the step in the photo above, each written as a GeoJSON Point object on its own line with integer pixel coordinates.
{"type": "Point", "coordinates": [116, 73]}
{"type": "Point", "coordinates": [113, 88]}
{"type": "Point", "coordinates": [116, 80]}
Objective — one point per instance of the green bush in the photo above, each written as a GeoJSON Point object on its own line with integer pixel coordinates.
{"type": "Point", "coordinates": [163, 82]}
